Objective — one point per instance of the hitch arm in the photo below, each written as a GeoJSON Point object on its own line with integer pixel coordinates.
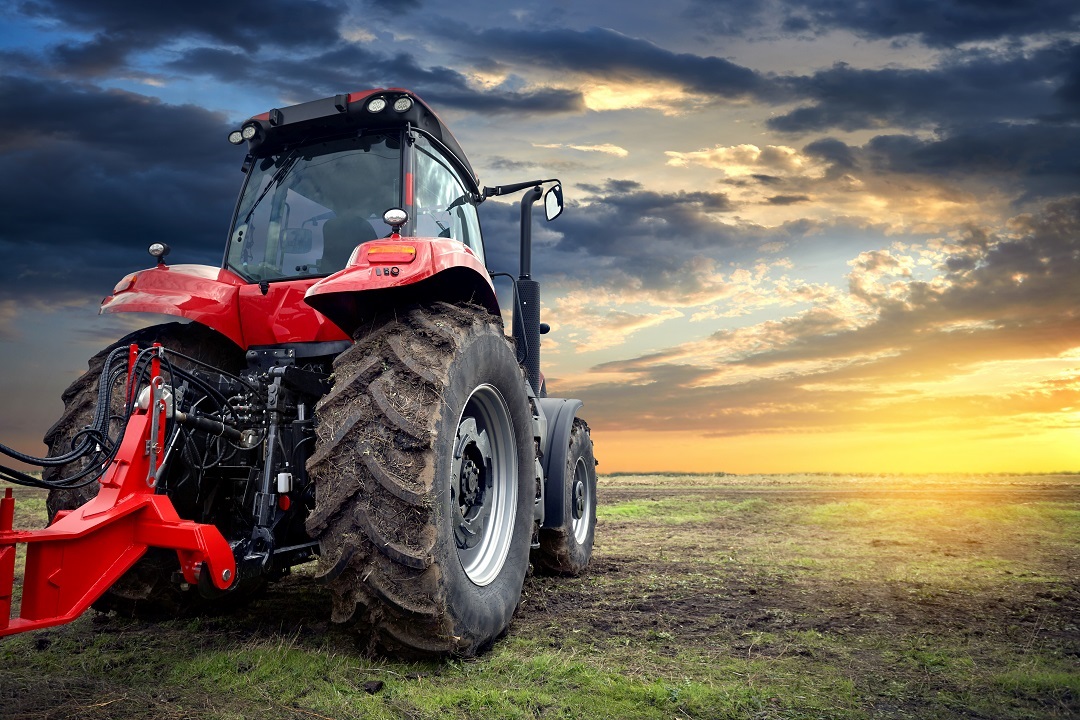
{"type": "Point", "coordinates": [71, 563]}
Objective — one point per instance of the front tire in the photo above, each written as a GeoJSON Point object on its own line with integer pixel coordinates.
{"type": "Point", "coordinates": [423, 468]}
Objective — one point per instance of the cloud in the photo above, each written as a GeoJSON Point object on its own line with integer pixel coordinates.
{"type": "Point", "coordinates": [787, 199]}
{"type": "Point", "coordinates": [943, 24]}
{"type": "Point", "coordinates": [749, 160]}
{"type": "Point", "coordinates": [588, 325]}
{"type": "Point", "coordinates": [121, 28]}
{"type": "Point", "coordinates": [326, 73]}
{"type": "Point", "coordinates": [893, 350]}
{"type": "Point", "coordinates": [908, 183]}
{"type": "Point", "coordinates": [603, 54]}
{"type": "Point", "coordinates": [975, 87]}
{"type": "Point", "coordinates": [605, 148]}
{"type": "Point", "coordinates": [620, 229]}
{"type": "Point", "coordinates": [88, 189]}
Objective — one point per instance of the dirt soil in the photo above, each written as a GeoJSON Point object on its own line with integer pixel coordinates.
{"type": "Point", "coordinates": [731, 585]}
{"type": "Point", "coordinates": [748, 600]}
{"type": "Point", "coordinates": [664, 598]}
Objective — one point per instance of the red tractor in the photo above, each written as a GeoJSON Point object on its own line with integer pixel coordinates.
{"type": "Point", "coordinates": [340, 392]}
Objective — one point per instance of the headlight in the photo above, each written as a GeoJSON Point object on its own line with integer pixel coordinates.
{"type": "Point", "coordinates": [403, 103]}
{"type": "Point", "coordinates": [376, 105]}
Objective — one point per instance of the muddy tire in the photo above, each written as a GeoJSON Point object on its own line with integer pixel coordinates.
{"type": "Point", "coordinates": [567, 550]}
{"type": "Point", "coordinates": [147, 589]}
{"type": "Point", "coordinates": [423, 469]}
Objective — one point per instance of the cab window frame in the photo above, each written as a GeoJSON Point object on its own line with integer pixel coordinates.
{"type": "Point", "coordinates": [426, 149]}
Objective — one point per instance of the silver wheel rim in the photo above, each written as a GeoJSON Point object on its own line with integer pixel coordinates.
{"type": "Point", "coordinates": [483, 485]}
{"type": "Point", "coordinates": [581, 502]}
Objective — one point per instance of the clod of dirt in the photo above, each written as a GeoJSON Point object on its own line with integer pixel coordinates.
{"type": "Point", "coordinates": [373, 686]}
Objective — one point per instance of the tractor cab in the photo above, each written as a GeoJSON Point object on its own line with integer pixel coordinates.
{"type": "Point", "coordinates": [321, 176]}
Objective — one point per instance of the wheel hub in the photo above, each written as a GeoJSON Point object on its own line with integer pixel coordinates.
{"type": "Point", "coordinates": [579, 499]}
{"type": "Point", "coordinates": [472, 479]}
{"type": "Point", "coordinates": [582, 502]}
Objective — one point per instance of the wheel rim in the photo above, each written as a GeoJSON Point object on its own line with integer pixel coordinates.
{"type": "Point", "coordinates": [581, 502]}
{"type": "Point", "coordinates": [483, 485]}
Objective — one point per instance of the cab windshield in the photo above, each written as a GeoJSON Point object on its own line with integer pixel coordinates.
{"type": "Point", "coordinates": [304, 211]}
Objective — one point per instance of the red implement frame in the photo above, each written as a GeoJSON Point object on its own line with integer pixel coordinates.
{"type": "Point", "coordinates": [71, 563]}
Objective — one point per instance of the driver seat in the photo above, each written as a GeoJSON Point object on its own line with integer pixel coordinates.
{"type": "Point", "coordinates": [341, 235]}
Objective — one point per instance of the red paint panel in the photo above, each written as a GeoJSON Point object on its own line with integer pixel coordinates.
{"type": "Point", "coordinates": [432, 256]}
{"type": "Point", "coordinates": [281, 315]}
{"type": "Point", "coordinates": [199, 292]}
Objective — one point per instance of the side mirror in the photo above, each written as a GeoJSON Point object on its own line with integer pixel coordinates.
{"type": "Point", "coordinates": [553, 202]}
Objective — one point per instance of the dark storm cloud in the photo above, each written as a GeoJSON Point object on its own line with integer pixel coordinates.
{"type": "Point", "coordinates": [837, 153]}
{"type": "Point", "coordinates": [99, 56]}
{"type": "Point", "coordinates": [726, 17]}
{"type": "Point", "coordinates": [1029, 160]}
{"type": "Point", "coordinates": [601, 52]}
{"type": "Point", "coordinates": [977, 88]}
{"type": "Point", "coordinates": [625, 234]}
{"type": "Point", "coordinates": [787, 199]}
{"type": "Point", "coordinates": [334, 71]}
{"type": "Point", "coordinates": [395, 6]}
{"type": "Point", "coordinates": [247, 24]}
{"type": "Point", "coordinates": [87, 189]}
{"type": "Point", "coordinates": [937, 23]}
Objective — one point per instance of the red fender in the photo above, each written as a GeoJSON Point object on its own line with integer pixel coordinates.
{"type": "Point", "coordinates": [199, 292]}
{"type": "Point", "coordinates": [402, 270]}
{"type": "Point", "coordinates": [224, 301]}
{"type": "Point", "coordinates": [380, 273]}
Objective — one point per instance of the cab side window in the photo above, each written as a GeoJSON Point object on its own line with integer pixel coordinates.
{"type": "Point", "coordinates": [443, 207]}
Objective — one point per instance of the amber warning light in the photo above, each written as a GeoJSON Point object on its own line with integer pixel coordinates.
{"type": "Point", "coordinates": [391, 253]}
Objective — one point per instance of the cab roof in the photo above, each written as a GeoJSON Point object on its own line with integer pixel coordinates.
{"type": "Point", "coordinates": [286, 127]}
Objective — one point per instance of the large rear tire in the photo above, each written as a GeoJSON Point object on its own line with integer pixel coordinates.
{"type": "Point", "coordinates": [147, 589]}
{"type": "Point", "coordinates": [567, 549]}
{"type": "Point", "coordinates": [423, 469]}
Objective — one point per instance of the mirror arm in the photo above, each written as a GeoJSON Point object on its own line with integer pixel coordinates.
{"type": "Point", "coordinates": [508, 189]}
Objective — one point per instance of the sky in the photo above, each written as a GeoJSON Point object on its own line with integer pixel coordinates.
{"type": "Point", "coordinates": [800, 235]}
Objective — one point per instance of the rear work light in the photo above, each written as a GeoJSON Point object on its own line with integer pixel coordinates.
{"type": "Point", "coordinates": [376, 105]}
{"type": "Point", "coordinates": [403, 103]}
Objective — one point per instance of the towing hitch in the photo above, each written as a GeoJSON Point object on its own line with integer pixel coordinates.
{"type": "Point", "coordinates": [71, 563]}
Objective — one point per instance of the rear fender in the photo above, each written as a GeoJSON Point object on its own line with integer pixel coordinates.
{"type": "Point", "coordinates": [205, 294]}
{"type": "Point", "coordinates": [401, 271]}
{"type": "Point", "coordinates": [560, 414]}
